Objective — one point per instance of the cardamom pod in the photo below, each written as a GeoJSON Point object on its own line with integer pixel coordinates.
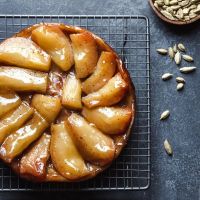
{"type": "Point", "coordinates": [175, 48]}
{"type": "Point", "coordinates": [173, 2]}
{"type": "Point", "coordinates": [168, 147]}
{"type": "Point", "coordinates": [180, 80]}
{"type": "Point", "coordinates": [166, 2]}
{"type": "Point", "coordinates": [180, 86]}
{"type": "Point", "coordinates": [162, 51]}
{"type": "Point", "coordinates": [167, 14]}
{"type": "Point", "coordinates": [171, 52]}
{"type": "Point", "coordinates": [187, 58]}
{"type": "Point", "coordinates": [165, 115]}
{"type": "Point", "coordinates": [181, 47]}
{"type": "Point", "coordinates": [187, 69]}
{"type": "Point", "coordinates": [166, 76]}
{"type": "Point", "coordinates": [177, 58]}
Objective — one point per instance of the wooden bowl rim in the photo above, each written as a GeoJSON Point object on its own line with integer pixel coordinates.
{"type": "Point", "coordinates": [180, 23]}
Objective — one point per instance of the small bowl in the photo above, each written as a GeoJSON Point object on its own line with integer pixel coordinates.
{"type": "Point", "coordinates": [171, 21]}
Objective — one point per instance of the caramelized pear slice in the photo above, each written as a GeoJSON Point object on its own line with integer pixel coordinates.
{"type": "Point", "coordinates": [23, 79]}
{"type": "Point", "coordinates": [14, 120]}
{"type": "Point", "coordinates": [85, 53]}
{"type": "Point", "coordinates": [65, 157]}
{"type": "Point", "coordinates": [34, 161]}
{"type": "Point", "coordinates": [23, 52]}
{"type": "Point", "coordinates": [53, 175]}
{"type": "Point", "coordinates": [47, 106]}
{"type": "Point", "coordinates": [71, 97]}
{"type": "Point", "coordinates": [104, 71]}
{"type": "Point", "coordinates": [8, 101]}
{"type": "Point", "coordinates": [93, 145]}
{"type": "Point", "coordinates": [110, 120]}
{"type": "Point", "coordinates": [109, 94]}
{"type": "Point", "coordinates": [56, 44]}
{"type": "Point", "coordinates": [18, 141]}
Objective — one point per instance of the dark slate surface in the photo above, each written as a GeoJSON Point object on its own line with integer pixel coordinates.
{"type": "Point", "coordinates": [172, 178]}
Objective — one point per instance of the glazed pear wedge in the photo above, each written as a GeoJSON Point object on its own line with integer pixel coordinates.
{"type": "Point", "coordinates": [34, 162]}
{"type": "Point", "coordinates": [85, 53]}
{"type": "Point", "coordinates": [93, 145]}
{"type": "Point", "coordinates": [65, 156]}
{"type": "Point", "coordinates": [111, 93]}
{"type": "Point", "coordinates": [23, 52]}
{"type": "Point", "coordinates": [25, 80]}
{"type": "Point", "coordinates": [71, 97]}
{"type": "Point", "coordinates": [14, 120]}
{"type": "Point", "coordinates": [56, 44]}
{"type": "Point", "coordinates": [49, 107]}
{"type": "Point", "coordinates": [18, 141]}
{"type": "Point", "coordinates": [104, 71]}
{"type": "Point", "coordinates": [53, 175]}
{"type": "Point", "coordinates": [110, 120]}
{"type": "Point", "coordinates": [9, 100]}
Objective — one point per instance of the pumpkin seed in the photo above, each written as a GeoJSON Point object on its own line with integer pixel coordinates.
{"type": "Point", "coordinates": [181, 47]}
{"type": "Point", "coordinates": [171, 52]}
{"type": "Point", "coordinates": [165, 115]}
{"type": "Point", "coordinates": [167, 76]}
{"type": "Point", "coordinates": [162, 51]}
{"type": "Point", "coordinates": [187, 69]}
{"type": "Point", "coordinates": [180, 86]}
{"type": "Point", "coordinates": [168, 147]}
{"type": "Point", "coordinates": [177, 58]}
{"type": "Point", "coordinates": [180, 80]}
{"type": "Point", "coordinates": [187, 58]}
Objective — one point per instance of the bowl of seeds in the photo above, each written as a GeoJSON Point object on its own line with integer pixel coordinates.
{"type": "Point", "coordinates": [178, 12]}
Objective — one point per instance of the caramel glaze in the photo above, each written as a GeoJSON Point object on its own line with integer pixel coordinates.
{"type": "Point", "coordinates": [55, 83]}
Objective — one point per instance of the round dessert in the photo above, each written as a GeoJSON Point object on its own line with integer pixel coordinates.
{"type": "Point", "coordinates": [67, 103]}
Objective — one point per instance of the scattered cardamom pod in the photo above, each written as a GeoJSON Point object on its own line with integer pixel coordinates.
{"type": "Point", "coordinates": [171, 52]}
{"type": "Point", "coordinates": [180, 80]}
{"type": "Point", "coordinates": [180, 86]}
{"type": "Point", "coordinates": [165, 115]}
{"type": "Point", "coordinates": [177, 58]}
{"type": "Point", "coordinates": [175, 48]}
{"type": "Point", "coordinates": [168, 147]}
{"type": "Point", "coordinates": [167, 76]}
{"type": "Point", "coordinates": [187, 69]}
{"type": "Point", "coordinates": [181, 47]}
{"type": "Point", "coordinates": [162, 51]}
{"type": "Point", "coordinates": [187, 58]}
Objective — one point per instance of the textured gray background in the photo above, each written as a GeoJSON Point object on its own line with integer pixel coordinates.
{"type": "Point", "coordinates": [172, 178]}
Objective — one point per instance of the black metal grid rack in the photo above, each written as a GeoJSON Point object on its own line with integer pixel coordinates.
{"type": "Point", "coordinates": [129, 36]}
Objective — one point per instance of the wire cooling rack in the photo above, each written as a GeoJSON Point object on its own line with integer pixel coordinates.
{"type": "Point", "coordinates": [129, 36]}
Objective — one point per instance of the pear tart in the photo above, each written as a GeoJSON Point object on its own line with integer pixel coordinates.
{"type": "Point", "coordinates": [67, 103]}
